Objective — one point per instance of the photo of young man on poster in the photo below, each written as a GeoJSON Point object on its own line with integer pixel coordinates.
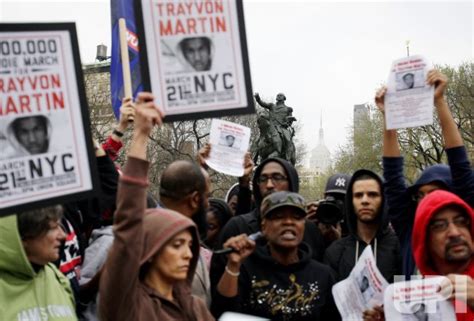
{"type": "Point", "coordinates": [28, 135]}
{"type": "Point", "coordinates": [197, 52]}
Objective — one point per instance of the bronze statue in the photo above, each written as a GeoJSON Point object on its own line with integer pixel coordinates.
{"type": "Point", "coordinates": [276, 131]}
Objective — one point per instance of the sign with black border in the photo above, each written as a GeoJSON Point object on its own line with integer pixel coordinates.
{"type": "Point", "coordinates": [46, 155]}
{"type": "Point", "coordinates": [194, 57]}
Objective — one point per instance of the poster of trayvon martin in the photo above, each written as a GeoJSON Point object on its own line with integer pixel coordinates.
{"type": "Point", "coordinates": [194, 57]}
{"type": "Point", "coordinates": [46, 148]}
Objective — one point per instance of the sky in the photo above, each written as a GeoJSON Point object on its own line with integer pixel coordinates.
{"type": "Point", "coordinates": [325, 56]}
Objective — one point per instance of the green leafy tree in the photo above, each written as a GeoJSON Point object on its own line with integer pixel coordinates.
{"type": "Point", "coordinates": [421, 146]}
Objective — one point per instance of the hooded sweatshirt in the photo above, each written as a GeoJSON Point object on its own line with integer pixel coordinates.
{"type": "Point", "coordinates": [250, 223]}
{"type": "Point", "coordinates": [428, 207]}
{"type": "Point", "coordinates": [30, 293]}
{"type": "Point", "coordinates": [343, 254]}
{"type": "Point", "coordinates": [139, 235]}
{"type": "Point", "coordinates": [299, 291]}
{"type": "Point", "coordinates": [458, 177]}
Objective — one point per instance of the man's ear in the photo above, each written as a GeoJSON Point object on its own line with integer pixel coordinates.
{"type": "Point", "coordinates": [263, 225]}
{"type": "Point", "coordinates": [194, 200]}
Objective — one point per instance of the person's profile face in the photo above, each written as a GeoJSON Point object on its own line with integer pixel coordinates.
{"type": "Point", "coordinates": [32, 134]}
{"type": "Point", "coordinates": [197, 52]}
{"type": "Point", "coordinates": [45, 247]}
{"type": "Point", "coordinates": [409, 80]}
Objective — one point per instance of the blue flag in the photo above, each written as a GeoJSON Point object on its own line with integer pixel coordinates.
{"type": "Point", "coordinates": [123, 9]}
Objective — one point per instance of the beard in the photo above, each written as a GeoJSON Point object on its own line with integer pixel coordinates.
{"type": "Point", "coordinates": [457, 257]}
{"type": "Point", "coordinates": [200, 219]}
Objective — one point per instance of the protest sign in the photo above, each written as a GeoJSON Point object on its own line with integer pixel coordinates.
{"type": "Point", "coordinates": [229, 143]}
{"type": "Point", "coordinates": [47, 155]}
{"type": "Point", "coordinates": [418, 300]}
{"type": "Point", "coordinates": [409, 100]}
{"type": "Point", "coordinates": [194, 57]}
{"type": "Point", "coordinates": [362, 290]}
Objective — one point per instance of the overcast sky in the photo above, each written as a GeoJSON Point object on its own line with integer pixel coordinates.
{"type": "Point", "coordinates": [323, 55]}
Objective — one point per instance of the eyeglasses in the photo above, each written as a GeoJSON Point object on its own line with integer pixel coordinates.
{"type": "Point", "coordinates": [276, 179]}
{"type": "Point", "coordinates": [442, 225]}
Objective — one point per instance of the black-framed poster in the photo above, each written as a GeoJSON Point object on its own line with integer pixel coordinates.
{"type": "Point", "coordinates": [46, 146]}
{"type": "Point", "coordinates": [194, 57]}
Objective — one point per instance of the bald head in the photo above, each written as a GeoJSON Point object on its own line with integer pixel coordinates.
{"type": "Point", "coordinates": [180, 179]}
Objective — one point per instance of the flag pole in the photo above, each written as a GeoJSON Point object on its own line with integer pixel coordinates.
{"type": "Point", "coordinates": [127, 80]}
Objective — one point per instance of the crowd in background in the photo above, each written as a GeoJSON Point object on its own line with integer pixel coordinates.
{"type": "Point", "coordinates": [126, 256]}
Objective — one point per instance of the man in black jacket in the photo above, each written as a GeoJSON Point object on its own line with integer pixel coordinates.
{"type": "Point", "coordinates": [272, 175]}
{"type": "Point", "coordinates": [368, 225]}
{"type": "Point", "coordinates": [276, 280]}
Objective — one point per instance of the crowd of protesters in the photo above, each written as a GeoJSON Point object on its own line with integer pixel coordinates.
{"type": "Point", "coordinates": [125, 256]}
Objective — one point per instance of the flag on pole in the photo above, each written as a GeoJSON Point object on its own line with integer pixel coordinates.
{"type": "Point", "coordinates": [123, 9]}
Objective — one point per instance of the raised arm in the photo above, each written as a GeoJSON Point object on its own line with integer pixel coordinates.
{"type": "Point", "coordinates": [390, 139]}
{"type": "Point", "coordinates": [261, 102]}
{"type": "Point", "coordinates": [461, 171]}
{"type": "Point", "coordinates": [451, 135]}
{"type": "Point", "coordinates": [395, 188]}
{"type": "Point", "coordinates": [244, 203]}
{"type": "Point", "coordinates": [119, 281]}
{"type": "Point", "coordinates": [114, 143]}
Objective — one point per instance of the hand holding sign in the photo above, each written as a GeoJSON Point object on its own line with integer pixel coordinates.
{"type": "Point", "coordinates": [439, 81]}
{"type": "Point", "coordinates": [147, 116]}
{"type": "Point", "coordinates": [127, 112]}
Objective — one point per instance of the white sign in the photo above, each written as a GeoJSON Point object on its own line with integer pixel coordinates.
{"type": "Point", "coordinates": [229, 143]}
{"type": "Point", "coordinates": [362, 290]}
{"type": "Point", "coordinates": [45, 145]}
{"type": "Point", "coordinates": [409, 100]}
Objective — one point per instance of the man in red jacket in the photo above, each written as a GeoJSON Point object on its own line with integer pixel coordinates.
{"type": "Point", "coordinates": [443, 244]}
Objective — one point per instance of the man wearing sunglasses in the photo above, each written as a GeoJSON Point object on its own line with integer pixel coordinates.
{"type": "Point", "coordinates": [443, 244]}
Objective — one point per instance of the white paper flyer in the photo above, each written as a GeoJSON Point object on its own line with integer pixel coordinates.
{"type": "Point", "coordinates": [362, 290]}
{"type": "Point", "coordinates": [409, 99]}
{"type": "Point", "coordinates": [229, 143]}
